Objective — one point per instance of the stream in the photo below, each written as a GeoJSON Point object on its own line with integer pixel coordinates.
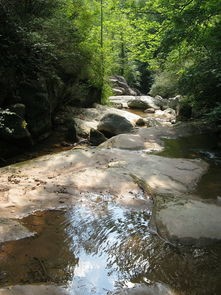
{"type": "Point", "coordinates": [100, 247]}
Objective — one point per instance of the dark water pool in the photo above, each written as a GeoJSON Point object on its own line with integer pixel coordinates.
{"type": "Point", "coordinates": [99, 247]}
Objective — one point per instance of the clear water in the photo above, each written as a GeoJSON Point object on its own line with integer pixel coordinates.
{"type": "Point", "coordinates": [206, 147]}
{"type": "Point", "coordinates": [99, 247]}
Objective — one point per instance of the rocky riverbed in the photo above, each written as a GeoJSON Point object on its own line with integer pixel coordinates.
{"type": "Point", "coordinates": [123, 169]}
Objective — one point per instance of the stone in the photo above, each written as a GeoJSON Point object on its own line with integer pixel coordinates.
{"type": "Point", "coordinates": [141, 122]}
{"type": "Point", "coordinates": [149, 111]}
{"type": "Point", "coordinates": [142, 102]}
{"type": "Point", "coordinates": [161, 102]}
{"type": "Point", "coordinates": [88, 118]}
{"type": "Point", "coordinates": [173, 102]}
{"type": "Point", "coordinates": [120, 86]}
{"type": "Point", "coordinates": [167, 115]}
{"type": "Point", "coordinates": [190, 222]}
{"type": "Point", "coordinates": [121, 99]}
{"type": "Point", "coordinates": [44, 181]}
{"type": "Point", "coordinates": [11, 230]}
{"type": "Point", "coordinates": [123, 141]}
{"type": "Point", "coordinates": [96, 137]}
{"type": "Point", "coordinates": [112, 124]}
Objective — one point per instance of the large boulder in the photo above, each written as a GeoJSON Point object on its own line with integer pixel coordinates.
{"type": "Point", "coordinates": [121, 100]}
{"type": "Point", "coordinates": [188, 221]}
{"type": "Point", "coordinates": [96, 137]}
{"type": "Point", "coordinates": [143, 103]}
{"type": "Point", "coordinates": [121, 87]}
{"type": "Point", "coordinates": [112, 124]}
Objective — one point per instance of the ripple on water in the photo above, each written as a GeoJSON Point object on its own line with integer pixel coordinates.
{"type": "Point", "coordinates": [99, 247]}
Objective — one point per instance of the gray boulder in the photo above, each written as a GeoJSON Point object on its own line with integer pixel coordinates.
{"type": "Point", "coordinates": [143, 103]}
{"type": "Point", "coordinates": [191, 222]}
{"type": "Point", "coordinates": [112, 124]}
{"type": "Point", "coordinates": [161, 102]}
{"type": "Point", "coordinates": [96, 137]}
{"type": "Point", "coordinates": [121, 87]}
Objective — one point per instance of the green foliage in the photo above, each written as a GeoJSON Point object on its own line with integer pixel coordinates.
{"type": "Point", "coordinates": [214, 115]}
{"type": "Point", "coordinates": [79, 44]}
{"type": "Point", "coordinates": [188, 48]}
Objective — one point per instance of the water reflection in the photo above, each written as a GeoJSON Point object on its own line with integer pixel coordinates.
{"type": "Point", "coordinates": [206, 147]}
{"type": "Point", "coordinates": [99, 247]}
{"type": "Point", "coordinates": [105, 237]}
{"type": "Point", "coordinates": [115, 249]}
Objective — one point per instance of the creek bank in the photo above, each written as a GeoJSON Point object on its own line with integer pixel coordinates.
{"type": "Point", "coordinates": [130, 177]}
{"type": "Point", "coordinates": [121, 167]}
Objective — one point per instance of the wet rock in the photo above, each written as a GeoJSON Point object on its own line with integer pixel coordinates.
{"type": "Point", "coordinates": [33, 290]}
{"type": "Point", "coordinates": [113, 124]}
{"type": "Point", "coordinates": [11, 230]}
{"type": "Point", "coordinates": [190, 222]}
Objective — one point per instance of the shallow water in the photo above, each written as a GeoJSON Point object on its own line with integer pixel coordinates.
{"type": "Point", "coordinates": [206, 147]}
{"type": "Point", "coordinates": [97, 247]}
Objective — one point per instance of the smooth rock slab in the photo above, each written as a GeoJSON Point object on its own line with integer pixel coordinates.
{"type": "Point", "coordinates": [33, 290]}
{"type": "Point", "coordinates": [11, 230]}
{"type": "Point", "coordinates": [189, 222]}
